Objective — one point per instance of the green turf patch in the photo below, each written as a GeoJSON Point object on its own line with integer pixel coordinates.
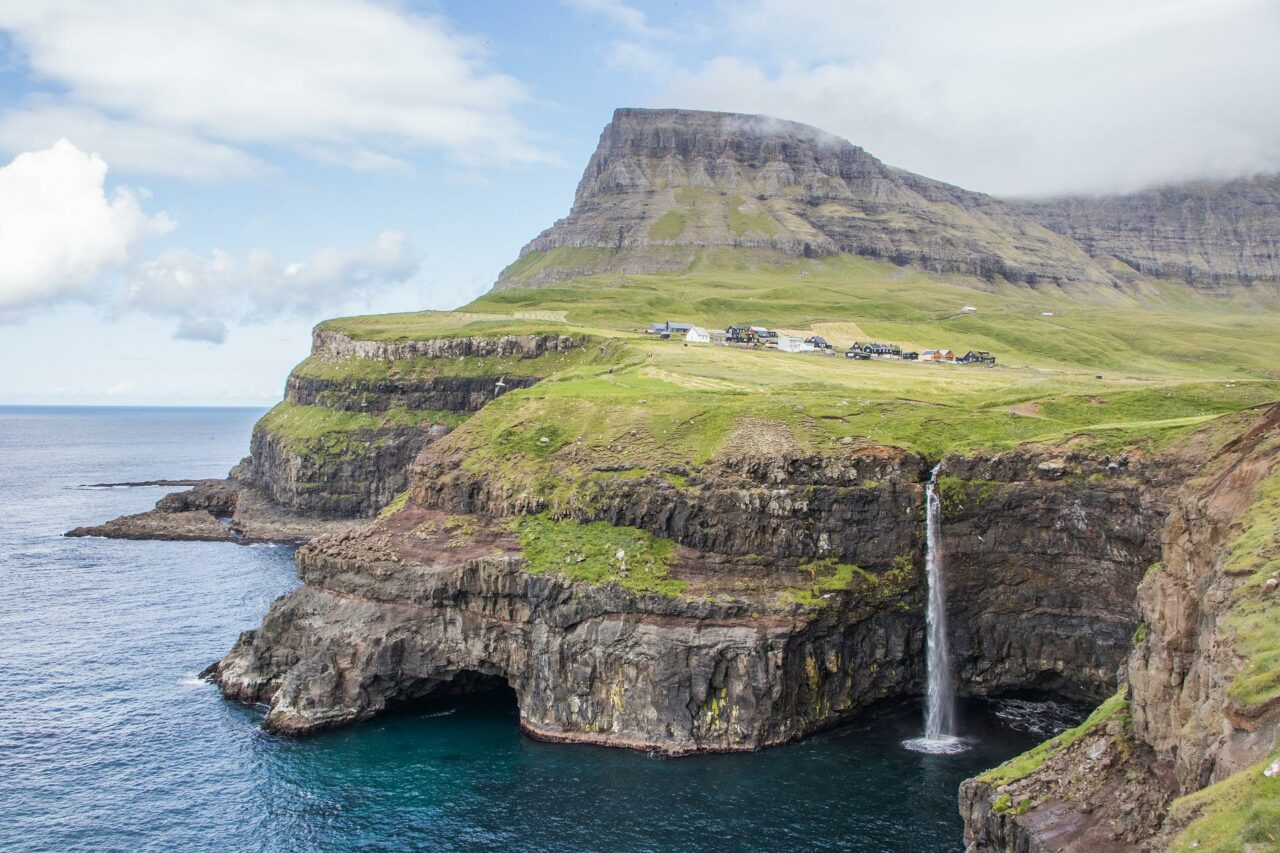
{"type": "Point", "coordinates": [1253, 620]}
{"type": "Point", "coordinates": [598, 553]}
{"type": "Point", "coordinates": [1238, 814]}
{"type": "Point", "coordinates": [1021, 766]}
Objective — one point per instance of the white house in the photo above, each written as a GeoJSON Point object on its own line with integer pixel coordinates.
{"type": "Point", "coordinates": [698, 335]}
{"type": "Point", "coordinates": [793, 343]}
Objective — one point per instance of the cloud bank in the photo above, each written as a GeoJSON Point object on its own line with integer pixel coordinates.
{"type": "Point", "coordinates": [195, 88]}
{"type": "Point", "coordinates": [1011, 97]}
{"type": "Point", "coordinates": [60, 231]}
{"type": "Point", "coordinates": [64, 238]}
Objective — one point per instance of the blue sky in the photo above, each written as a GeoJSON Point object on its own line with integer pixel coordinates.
{"type": "Point", "coordinates": [234, 172]}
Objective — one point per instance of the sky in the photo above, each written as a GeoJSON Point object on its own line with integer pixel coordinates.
{"type": "Point", "coordinates": [186, 188]}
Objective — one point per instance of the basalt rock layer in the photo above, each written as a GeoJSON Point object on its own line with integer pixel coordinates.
{"type": "Point", "coordinates": [403, 610]}
{"type": "Point", "coordinates": [1212, 234]}
{"type": "Point", "coordinates": [301, 481]}
{"type": "Point", "coordinates": [1191, 713]}
{"type": "Point", "coordinates": [745, 655]}
{"type": "Point", "coordinates": [1043, 555]}
{"type": "Point", "coordinates": [666, 184]}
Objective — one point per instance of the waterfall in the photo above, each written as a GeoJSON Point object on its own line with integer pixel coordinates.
{"type": "Point", "coordinates": [939, 720]}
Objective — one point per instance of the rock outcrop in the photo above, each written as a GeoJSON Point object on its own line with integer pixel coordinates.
{"type": "Point", "coordinates": [311, 468]}
{"type": "Point", "coordinates": [1190, 714]}
{"type": "Point", "coordinates": [1044, 553]}
{"type": "Point", "coordinates": [1212, 234]}
{"type": "Point", "coordinates": [664, 185]}
{"type": "Point", "coordinates": [404, 609]}
{"type": "Point", "coordinates": [737, 659]}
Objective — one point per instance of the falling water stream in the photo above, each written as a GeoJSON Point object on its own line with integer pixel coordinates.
{"type": "Point", "coordinates": [939, 721]}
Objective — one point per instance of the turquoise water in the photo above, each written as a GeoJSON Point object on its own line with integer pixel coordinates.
{"type": "Point", "coordinates": [108, 741]}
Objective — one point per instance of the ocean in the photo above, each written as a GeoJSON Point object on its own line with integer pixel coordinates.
{"type": "Point", "coordinates": [110, 742]}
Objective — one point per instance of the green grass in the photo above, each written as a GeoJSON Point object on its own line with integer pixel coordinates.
{"type": "Point", "coordinates": [397, 503]}
{"type": "Point", "coordinates": [744, 224]}
{"type": "Point", "coordinates": [588, 553]}
{"type": "Point", "coordinates": [1166, 328]}
{"type": "Point", "coordinates": [1240, 813]}
{"type": "Point", "coordinates": [1253, 618]}
{"type": "Point", "coordinates": [669, 226]}
{"type": "Point", "coordinates": [320, 432]}
{"type": "Point", "coordinates": [866, 588]}
{"type": "Point", "coordinates": [590, 351]}
{"type": "Point", "coordinates": [1024, 765]}
{"type": "Point", "coordinates": [1171, 361]}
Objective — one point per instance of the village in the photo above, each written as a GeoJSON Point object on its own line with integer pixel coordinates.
{"type": "Point", "coordinates": [760, 337]}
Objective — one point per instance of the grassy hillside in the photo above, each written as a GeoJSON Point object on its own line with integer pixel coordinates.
{"type": "Point", "coordinates": [1138, 367]}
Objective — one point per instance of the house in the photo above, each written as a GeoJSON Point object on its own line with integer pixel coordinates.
{"type": "Point", "coordinates": [938, 355]}
{"type": "Point", "coordinates": [858, 353]}
{"type": "Point", "coordinates": [739, 335]}
{"type": "Point", "coordinates": [667, 329]}
{"type": "Point", "coordinates": [718, 337]}
{"type": "Point", "coordinates": [911, 356]}
{"type": "Point", "coordinates": [697, 336]}
{"type": "Point", "coordinates": [976, 357]}
{"type": "Point", "coordinates": [818, 342]}
{"type": "Point", "coordinates": [882, 350]}
{"type": "Point", "coordinates": [794, 343]}
{"type": "Point", "coordinates": [765, 336]}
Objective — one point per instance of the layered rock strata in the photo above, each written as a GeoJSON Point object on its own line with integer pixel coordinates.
{"type": "Point", "coordinates": [1180, 722]}
{"type": "Point", "coordinates": [290, 488]}
{"type": "Point", "coordinates": [665, 184]}
{"type": "Point", "coordinates": [1212, 234]}
{"type": "Point", "coordinates": [735, 661]}
{"type": "Point", "coordinates": [402, 610]}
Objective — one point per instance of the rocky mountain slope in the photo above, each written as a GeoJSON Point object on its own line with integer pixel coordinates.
{"type": "Point", "coordinates": [665, 184]}
{"type": "Point", "coordinates": [1213, 234]}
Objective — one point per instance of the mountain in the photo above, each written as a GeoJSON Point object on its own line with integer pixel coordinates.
{"type": "Point", "coordinates": [1209, 234]}
{"type": "Point", "coordinates": [663, 185]}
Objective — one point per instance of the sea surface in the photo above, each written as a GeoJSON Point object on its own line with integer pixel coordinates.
{"type": "Point", "coordinates": [109, 741]}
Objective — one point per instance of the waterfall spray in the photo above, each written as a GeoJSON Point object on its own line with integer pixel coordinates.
{"type": "Point", "coordinates": [939, 720]}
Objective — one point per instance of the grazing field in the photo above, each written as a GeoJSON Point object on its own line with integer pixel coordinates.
{"type": "Point", "coordinates": [1115, 369]}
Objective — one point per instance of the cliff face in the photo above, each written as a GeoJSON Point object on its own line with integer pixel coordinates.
{"type": "Point", "coordinates": [664, 184]}
{"type": "Point", "coordinates": [1200, 705]}
{"type": "Point", "coordinates": [761, 644]}
{"type": "Point", "coordinates": [1044, 553]}
{"type": "Point", "coordinates": [404, 609]}
{"type": "Point", "coordinates": [1211, 234]}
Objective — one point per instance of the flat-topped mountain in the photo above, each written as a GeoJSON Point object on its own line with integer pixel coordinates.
{"type": "Point", "coordinates": [665, 184]}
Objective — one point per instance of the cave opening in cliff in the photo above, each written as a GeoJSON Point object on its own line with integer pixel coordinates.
{"type": "Point", "coordinates": [467, 690]}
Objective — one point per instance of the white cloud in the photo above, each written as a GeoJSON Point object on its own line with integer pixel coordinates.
{"type": "Point", "coordinates": [366, 82]}
{"type": "Point", "coordinates": [202, 292]}
{"type": "Point", "coordinates": [130, 146]}
{"type": "Point", "coordinates": [59, 229]}
{"type": "Point", "coordinates": [64, 238]}
{"type": "Point", "coordinates": [1012, 97]}
{"type": "Point", "coordinates": [616, 12]}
